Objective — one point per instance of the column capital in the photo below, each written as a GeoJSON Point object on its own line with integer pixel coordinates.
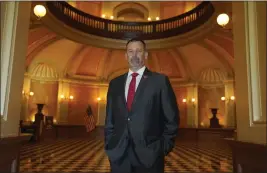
{"type": "Point", "coordinates": [228, 81]}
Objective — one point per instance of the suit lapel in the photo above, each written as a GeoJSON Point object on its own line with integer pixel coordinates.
{"type": "Point", "coordinates": [141, 86]}
{"type": "Point", "coordinates": [139, 90]}
{"type": "Point", "coordinates": [123, 90]}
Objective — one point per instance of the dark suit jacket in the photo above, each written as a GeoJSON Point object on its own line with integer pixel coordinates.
{"type": "Point", "coordinates": [152, 122]}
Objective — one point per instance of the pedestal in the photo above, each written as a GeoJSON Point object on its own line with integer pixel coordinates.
{"type": "Point", "coordinates": [39, 115]}
{"type": "Point", "coordinates": [214, 121]}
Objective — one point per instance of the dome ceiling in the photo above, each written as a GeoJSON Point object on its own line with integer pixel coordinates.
{"type": "Point", "coordinates": [163, 10]}
{"type": "Point", "coordinates": [71, 59]}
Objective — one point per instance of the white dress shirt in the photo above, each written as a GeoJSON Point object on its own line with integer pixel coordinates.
{"type": "Point", "coordinates": [129, 78]}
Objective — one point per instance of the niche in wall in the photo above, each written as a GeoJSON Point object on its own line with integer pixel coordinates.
{"type": "Point", "coordinates": [211, 89]}
{"type": "Point", "coordinates": [44, 85]}
{"type": "Point", "coordinates": [210, 98]}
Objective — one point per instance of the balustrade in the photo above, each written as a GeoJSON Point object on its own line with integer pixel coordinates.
{"type": "Point", "coordinates": [125, 30]}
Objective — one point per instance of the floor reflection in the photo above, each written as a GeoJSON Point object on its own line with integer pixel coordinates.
{"type": "Point", "coordinates": [83, 155]}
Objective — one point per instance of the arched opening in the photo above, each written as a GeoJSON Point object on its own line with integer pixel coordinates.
{"type": "Point", "coordinates": [130, 11]}
{"type": "Point", "coordinates": [130, 14]}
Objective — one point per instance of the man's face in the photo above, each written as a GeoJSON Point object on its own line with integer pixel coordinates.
{"type": "Point", "coordinates": [136, 55]}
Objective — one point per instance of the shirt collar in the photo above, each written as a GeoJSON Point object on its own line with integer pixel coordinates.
{"type": "Point", "coordinates": [140, 71]}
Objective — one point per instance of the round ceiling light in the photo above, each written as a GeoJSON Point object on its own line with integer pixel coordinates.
{"type": "Point", "coordinates": [39, 11]}
{"type": "Point", "coordinates": [223, 19]}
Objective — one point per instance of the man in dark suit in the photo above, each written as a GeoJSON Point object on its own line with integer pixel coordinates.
{"type": "Point", "coordinates": [142, 116]}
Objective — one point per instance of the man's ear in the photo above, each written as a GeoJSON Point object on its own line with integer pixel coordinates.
{"type": "Point", "coordinates": [146, 55]}
{"type": "Point", "coordinates": [126, 56]}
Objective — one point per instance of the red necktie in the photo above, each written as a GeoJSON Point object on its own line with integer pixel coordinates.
{"type": "Point", "coordinates": [131, 91]}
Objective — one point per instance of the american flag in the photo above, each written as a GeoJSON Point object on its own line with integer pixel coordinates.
{"type": "Point", "coordinates": [89, 119]}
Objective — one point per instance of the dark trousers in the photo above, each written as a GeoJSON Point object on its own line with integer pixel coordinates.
{"type": "Point", "coordinates": [131, 164]}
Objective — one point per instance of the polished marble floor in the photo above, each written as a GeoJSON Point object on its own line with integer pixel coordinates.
{"type": "Point", "coordinates": [87, 155]}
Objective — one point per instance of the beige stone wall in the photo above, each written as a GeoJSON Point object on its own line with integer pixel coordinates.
{"type": "Point", "coordinates": [13, 56]}
{"type": "Point", "coordinates": [249, 25]}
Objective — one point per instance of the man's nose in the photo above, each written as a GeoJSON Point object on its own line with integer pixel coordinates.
{"type": "Point", "coordinates": [135, 53]}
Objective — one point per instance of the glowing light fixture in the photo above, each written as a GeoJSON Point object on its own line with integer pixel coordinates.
{"type": "Point", "coordinates": [193, 100]}
{"type": "Point", "coordinates": [223, 19]}
{"type": "Point", "coordinates": [103, 15]}
{"type": "Point", "coordinates": [33, 119]}
{"type": "Point", "coordinates": [149, 19]}
{"type": "Point", "coordinates": [39, 11]}
{"type": "Point", "coordinates": [227, 99]}
{"type": "Point", "coordinates": [31, 93]}
{"type": "Point", "coordinates": [157, 18]}
{"type": "Point", "coordinates": [184, 100]}
{"type": "Point", "coordinates": [71, 97]}
{"type": "Point", "coordinates": [111, 17]}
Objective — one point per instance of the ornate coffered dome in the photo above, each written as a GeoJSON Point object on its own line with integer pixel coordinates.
{"type": "Point", "coordinates": [212, 77]}
{"type": "Point", "coordinates": [43, 72]}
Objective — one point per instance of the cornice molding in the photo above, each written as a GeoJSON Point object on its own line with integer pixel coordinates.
{"type": "Point", "coordinates": [92, 81]}
{"type": "Point", "coordinates": [95, 83]}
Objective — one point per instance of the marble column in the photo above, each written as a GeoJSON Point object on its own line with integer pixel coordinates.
{"type": "Point", "coordinates": [230, 116]}
{"type": "Point", "coordinates": [102, 106]}
{"type": "Point", "coordinates": [24, 114]}
{"type": "Point", "coordinates": [192, 106]}
{"type": "Point", "coordinates": [63, 103]}
{"type": "Point", "coordinates": [15, 18]}
{"type": "Point", "coordinates": [249, 31]}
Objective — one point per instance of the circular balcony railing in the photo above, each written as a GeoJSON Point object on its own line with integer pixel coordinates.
{"type": "Point", "coordinates": [125, 30]}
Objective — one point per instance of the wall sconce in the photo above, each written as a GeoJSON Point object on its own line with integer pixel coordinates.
{"type": "Point", "coordinates": [39, 11]}
{"type": "Point", "coordinates": [62, 97]}
{"type": "Point", "coordinates": [101, 99]}
{"type": "Point", "coordinates": [232, 98]}
{"type": "Point", "coordinates": [157, 18]}
{"type": "Point", "coordinates": [28, 94]}
{"type": "Point", "coordinates": [103, 16]}
{"type": "Point", "coordinates": [149, 19]}
{"type": "Point", "coordinates": [193, 100]}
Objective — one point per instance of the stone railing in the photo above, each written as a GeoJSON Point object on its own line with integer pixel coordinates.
{"type": "Point", "coordinates": [123, 30]}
